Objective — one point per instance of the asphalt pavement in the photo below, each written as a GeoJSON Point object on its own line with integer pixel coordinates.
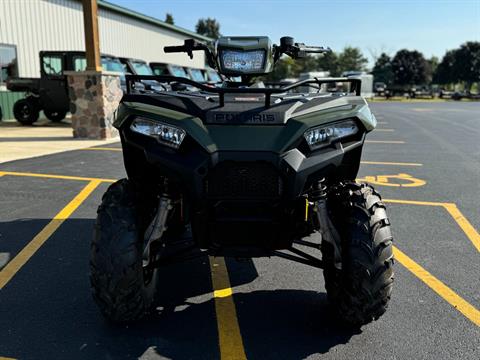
{"type": "Point", "coordinates": [424, 159]}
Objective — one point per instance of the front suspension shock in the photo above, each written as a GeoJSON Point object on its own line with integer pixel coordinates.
{"type": "Point", "coordinates": [326, 228]}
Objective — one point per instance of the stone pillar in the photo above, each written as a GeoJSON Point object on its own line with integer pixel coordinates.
{"type": "Point", "coordinates": [94, 97]}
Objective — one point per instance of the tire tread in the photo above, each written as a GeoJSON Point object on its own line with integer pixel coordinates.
{"type": "Point", "coordinates": [116, 274]}
{"type": "Point", "coordinates": [362, 289]}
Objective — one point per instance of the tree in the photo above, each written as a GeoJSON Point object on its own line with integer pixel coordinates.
{"type": "Point", "coordinates": [433, 63]}
{"type": "Point", "coordinates": [409, 68]}
{"type": "Point", "coordinates": [306, 64]}
{"type": "Point", "coordinates": [169, 19]}
{"type": "Point", "coordinates": [460, 65]}
{"type": "Point", "coordinates": [444, 72]}
{"type": "Point", "coordinates": [328, 62]}
{"type": "Point", "coordinates": [284, 68]}
{"type": "Point", "coordinates": [351, 59]}
{"type": "Point", "coordinates": [382, 70]}
{"type": "Point", "coordinates": [208, 27]}
{"type": "Point", "coordinates": [466, 65]}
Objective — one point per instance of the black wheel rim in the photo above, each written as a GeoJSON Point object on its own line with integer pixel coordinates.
{"type": "Point", "coordinates": [25, 111]}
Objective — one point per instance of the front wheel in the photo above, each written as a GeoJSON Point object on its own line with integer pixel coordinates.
{"type": "Point", "coordinates": [361, 290]}
{"type": "Point", "coordinates": [121, 287]}
{"type": "Point", "coordinates": [55, 116]}
{"type": "Point", "coordinates": [26, 111]}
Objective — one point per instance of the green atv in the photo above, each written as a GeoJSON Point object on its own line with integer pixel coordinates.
{"type": "Point", "coordinates": [243, 171]}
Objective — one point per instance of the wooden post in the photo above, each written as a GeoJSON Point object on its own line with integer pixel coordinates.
{"type": "Point", "coordinates": [90, 23]}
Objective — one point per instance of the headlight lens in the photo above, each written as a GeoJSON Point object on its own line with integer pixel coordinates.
{"type": "Point", "coordinates": [324, 135]}
{"type": "Point", "coordinates": [166, 134]}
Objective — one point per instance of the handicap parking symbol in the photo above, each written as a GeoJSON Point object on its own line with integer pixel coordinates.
{"type": "Point", "coordinates": [399, 180]}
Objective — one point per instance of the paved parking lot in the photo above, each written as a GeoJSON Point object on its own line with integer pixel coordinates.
{"type": "Point", "coordinates": [424, 159]}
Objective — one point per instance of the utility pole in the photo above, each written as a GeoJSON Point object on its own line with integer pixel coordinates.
{"type": "Point", "coordinates": [92, 46]}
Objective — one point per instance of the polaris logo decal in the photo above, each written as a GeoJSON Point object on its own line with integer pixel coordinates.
{"type": "Point", "coordinates": [246, 118]}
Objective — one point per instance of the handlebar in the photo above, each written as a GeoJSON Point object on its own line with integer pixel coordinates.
{"type": "Point", "coordinates": [296, 50]}
{"type": "Point", "coordinates": [173, 49]}
{"type": "Point", "coordinates": [287, 46]}
{"type": "Point", "coordinates": [189, 46]}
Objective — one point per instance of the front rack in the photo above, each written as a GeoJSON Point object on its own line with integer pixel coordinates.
{"type": "Point", "coordinates": [355, 86]}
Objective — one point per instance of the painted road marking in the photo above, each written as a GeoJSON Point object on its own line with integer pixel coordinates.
{"type": "Point", "coordinates": [9, 271]}
{"type": "Point", "coordinates": [54, 176]}
{"type": "Point", "coordinates": [229, 336]}
{"type": "Point", "coordinates": [400, 180]}
{"type": "Point", "coordinates": [389, 163]}
{"type": "Point", "coordinates": [384, 142]}
{"type": "Point", "coordinates": [6, 358]}
{"type": "Point", "coordinates": [454, 212]}
{"type": "Point", "coordinates": [382, 122]}
{"type": "Point", "coordinates": [102, 148]}
{"type": "Point", "coordinates": [423, 109]}
{"type": "Point", "coordinates": [413, 202]}
{"type": "Point", "coordinates": [464, 224]}
{"type": "Point", "coordinates": [385, 130]}
{"type": "Point", "coordinates": [468, 310]}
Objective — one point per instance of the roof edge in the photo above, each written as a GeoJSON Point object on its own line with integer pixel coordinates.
{"type": "Point", "coordinates": [136, 15]}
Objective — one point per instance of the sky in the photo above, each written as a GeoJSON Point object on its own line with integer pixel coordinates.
{"type": "Point", "coordinates": [375, 26]}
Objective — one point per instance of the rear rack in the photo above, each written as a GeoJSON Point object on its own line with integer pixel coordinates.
{"type": "Point", "coordinates": [221, 91]}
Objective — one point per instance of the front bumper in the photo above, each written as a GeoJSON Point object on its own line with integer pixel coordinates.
{"type": "Point", "coordinates": [191, 165]}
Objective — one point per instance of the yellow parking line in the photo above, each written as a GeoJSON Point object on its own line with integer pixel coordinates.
{"type": "Point", "coordinates": [385, 130]}
{"type": "Point", "coordinates": [464, 224]}
{"type": "Point", "coordinates": [9, 271]}
{"type": "Point", "coordinates": [6, 358]}
{"type": "Point", "coordinates": [413, 202]}
{"type": "Point", "coordinates": [53, 176]}
{"type": "Point", "coordinates": [454, 212]}
{"type": "Point", "coordinates": [389, 163]}
{"type": "Point", "coordinates": [229, 336]}
{"type": "Point", "coordinates": [468, 310]}
{"type": "Point", "coordinates": [102, 148]}
{"type": "Point", "coordinates": [384, 142]}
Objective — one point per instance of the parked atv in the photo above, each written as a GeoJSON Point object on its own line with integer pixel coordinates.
{"type": "Point", "coordinates": [247, 172]}
{"type": "Point", "coordinates": [50, 92]}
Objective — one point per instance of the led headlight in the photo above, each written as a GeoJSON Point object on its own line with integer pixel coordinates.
{"type": "Point", "coordinates": [324, 135]}
{"type": "Point", "coordinates": [166, 134]}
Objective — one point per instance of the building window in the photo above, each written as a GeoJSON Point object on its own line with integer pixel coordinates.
{"type": "Point", "coordinates": [52, 64]}
{"type": "Point", "coordinates": [79, 63]}
{"type": "Point", "coordinates": [8, 62]}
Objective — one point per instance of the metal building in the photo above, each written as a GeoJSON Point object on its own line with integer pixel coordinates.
{"type": "Point", "coordinates": [29, 26]}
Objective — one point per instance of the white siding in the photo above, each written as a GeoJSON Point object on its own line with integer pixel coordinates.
{"type": "Point", "coordinates": [35, 25]}
{"type": "Point", "coordinates": [124, 36]}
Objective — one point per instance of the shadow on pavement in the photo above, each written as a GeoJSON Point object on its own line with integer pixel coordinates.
{"type": "Point", "coordinates": [46, 311]}
{"type": "Point", "coordinates": [288, 324]}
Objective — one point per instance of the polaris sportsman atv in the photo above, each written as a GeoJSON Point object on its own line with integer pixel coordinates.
{"type": "Point", "coordinates": [243, 171]}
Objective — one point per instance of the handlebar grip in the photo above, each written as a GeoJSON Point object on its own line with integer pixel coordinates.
{"type": "Point", "coordinates": [172, 49]}
{"type": "Point", "coordinates": [314, 49]}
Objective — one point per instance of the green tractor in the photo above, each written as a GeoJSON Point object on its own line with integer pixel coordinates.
{"type": "Point", "coordinates": [243, 171]}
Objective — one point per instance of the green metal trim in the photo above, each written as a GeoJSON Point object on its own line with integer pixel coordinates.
{"type": "Point", "coordinates": [152, 20]}
{"type": "Point", "coordinates": [7, 99]}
